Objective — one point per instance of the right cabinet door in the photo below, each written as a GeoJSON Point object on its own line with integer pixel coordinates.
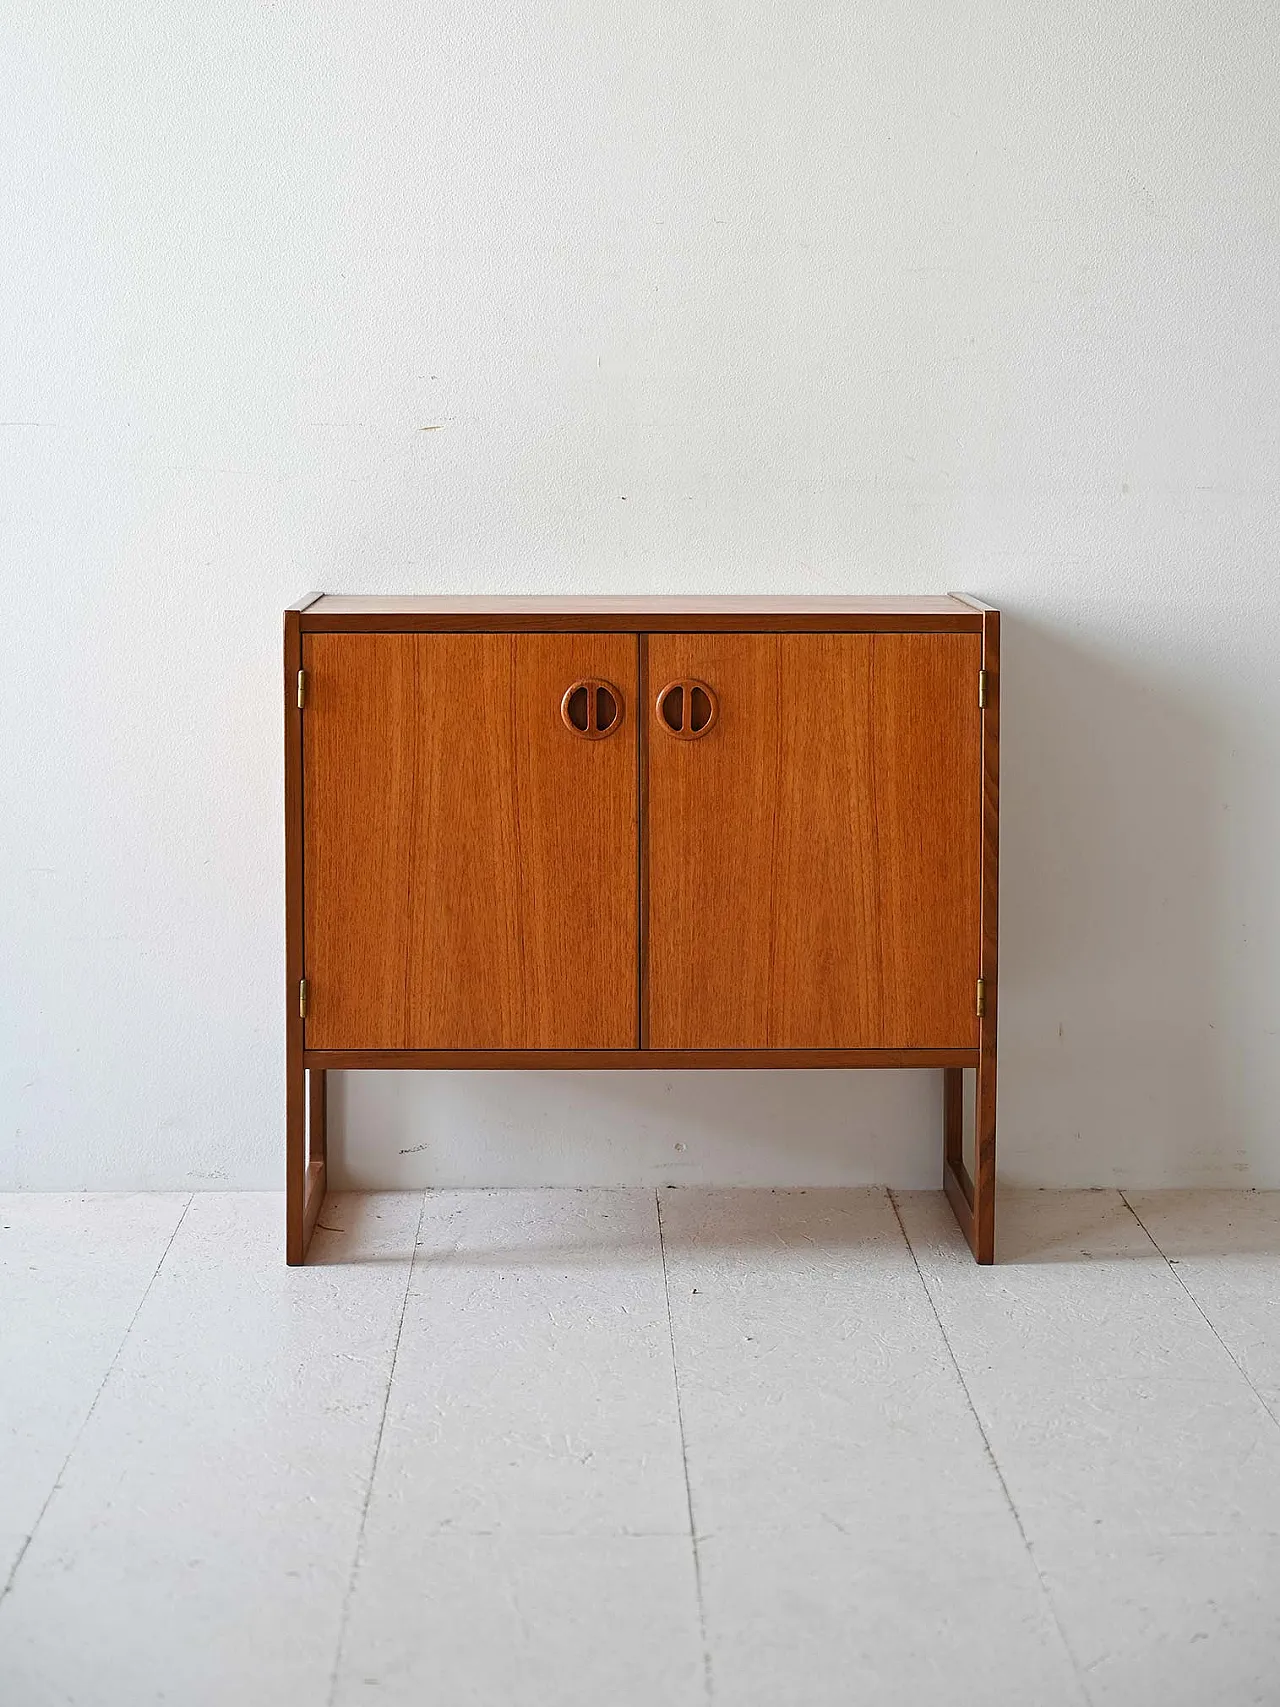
{"type": "Point", "coordinates": [814, 819]}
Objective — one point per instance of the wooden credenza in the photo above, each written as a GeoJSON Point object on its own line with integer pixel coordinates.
{"type": "Point", "coordinates": [629, 832]}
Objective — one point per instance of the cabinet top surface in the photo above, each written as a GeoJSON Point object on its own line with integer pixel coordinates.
{"type": "Point", "coordinates": [638, 604]}
{"type": "Point", "coordinates": [372, 612]}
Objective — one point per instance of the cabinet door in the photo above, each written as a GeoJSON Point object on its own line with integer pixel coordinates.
{"type": "Point", "coordinates": [814, 850]}
{"type": "Point", "coordinates": [469, 857]}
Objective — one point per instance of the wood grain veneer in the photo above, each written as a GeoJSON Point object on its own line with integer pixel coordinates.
{"type": "Point", "coordinates": [808, 880]}
{"type": "Point", "coordinates": [470, 864]}
{"type": "Point", "coordinates": [814, 861]}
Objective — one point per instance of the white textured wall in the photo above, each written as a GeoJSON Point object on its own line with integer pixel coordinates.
{"type": "Point", "coordinates": [737, 297]}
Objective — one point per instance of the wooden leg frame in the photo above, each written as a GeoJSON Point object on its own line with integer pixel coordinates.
{"type": "Point", "coordinates": [972, 1198]}
{"type": "Point", "coordinates": [305, 1122]}
{"type": "Point", "coordinates": [307, 1157]}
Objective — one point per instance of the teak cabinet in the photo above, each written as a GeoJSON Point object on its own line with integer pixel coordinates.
{"type": "Point", "coordinates": [642, 833]}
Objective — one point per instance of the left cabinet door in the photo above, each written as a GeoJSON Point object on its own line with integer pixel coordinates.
{"type": "Point", "coordinates": [470, 849]}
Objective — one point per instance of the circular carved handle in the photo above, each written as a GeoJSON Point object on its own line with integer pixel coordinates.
{"type": "Point", "coordinates": [591, 708]}
{"type": "Point", "coordinates": [687, 710]}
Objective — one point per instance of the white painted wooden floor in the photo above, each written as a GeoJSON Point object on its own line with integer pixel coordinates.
{"type": "Point", "coordinates": [606, 1448]}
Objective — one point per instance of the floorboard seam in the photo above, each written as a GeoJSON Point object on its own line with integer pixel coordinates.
{"type": "Point", "coordinates": [684, 1455]}
{"type": "Point", "coordinates": [991, 1457]}
{"type": "Point", "coordinates": [79, 1434]}
{"type": "Point", "coordinates": [1173, 1270]}
{"type": "Point", "coordinates": [373, 1467]}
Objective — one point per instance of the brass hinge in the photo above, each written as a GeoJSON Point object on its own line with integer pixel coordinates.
{"type": "Point", "coordinates": [982, 997]}
{"type": "Point", "coordinates": [303, 992]}
{"type": "Point", "coordinates": [302, 689]}
{"type": "Point", "coordinates": [982, 689]}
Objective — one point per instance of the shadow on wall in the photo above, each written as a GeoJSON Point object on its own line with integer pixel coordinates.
{"type": "Point", "coordinates": [1123, 882]}
{"type": "Point", "coordinates": [390, 1130]}
{"type": "Point", "coordinates": [1115, 941]}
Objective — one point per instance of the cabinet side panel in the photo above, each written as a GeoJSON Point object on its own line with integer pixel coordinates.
{"type": "Point", "coordinates": [927, 734]}
{"type": "Point", "coordinates": [295, 1075]}
{"type": "Point", "coordinates": [577, 832]}
{"type": "Point", "coordinates": [360, 758]}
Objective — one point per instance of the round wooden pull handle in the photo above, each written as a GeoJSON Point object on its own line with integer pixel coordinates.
{"type": "Point", "coordinates": [591, 708]}
{"type": "Point", "coordinates": [688, 710]}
